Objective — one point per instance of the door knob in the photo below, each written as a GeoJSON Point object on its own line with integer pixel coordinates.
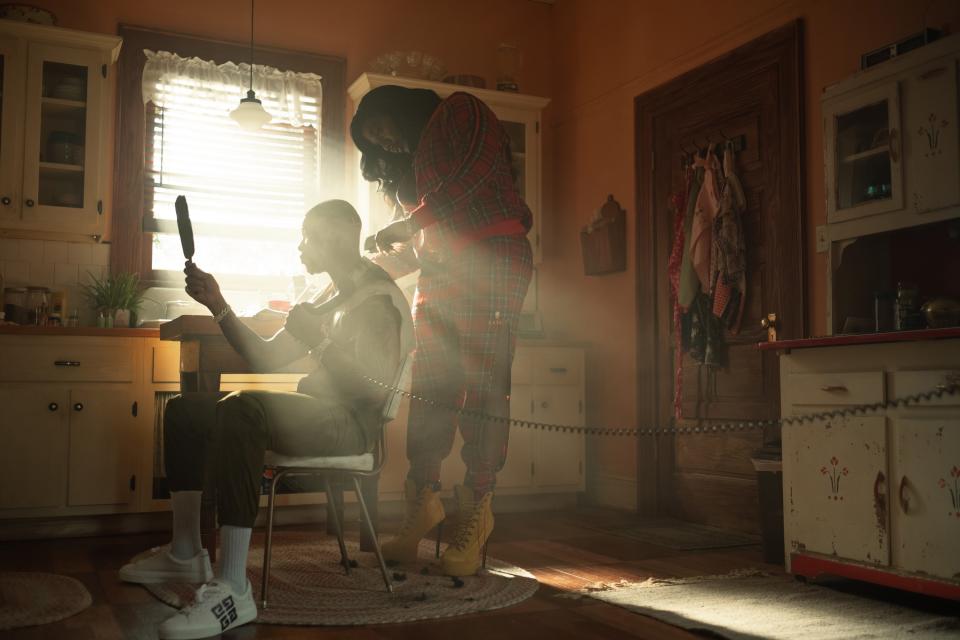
{"type": "Point", "coordinates": [6, 200]}
{"type": "Point", "coordinates": [770, 324]}
{"type": "Point", "coordinates": [28, 202]}
{"type": "Point", "coordinates": [78, 406]}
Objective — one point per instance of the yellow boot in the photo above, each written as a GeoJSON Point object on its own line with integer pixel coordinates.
{"type": "Point", "coordinates": [423, 512]}
{"type": "Point", "coordinates": [474, 525]}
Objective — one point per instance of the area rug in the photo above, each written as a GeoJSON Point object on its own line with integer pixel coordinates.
{"type": "Point", "coordinates": [748, 605]}
{"type": "Point", "coordinates": [28, 599]}
{"type": "Point", "coordinates": [676, 534]}
{"type": "Point", "coordinates": [309, 587]}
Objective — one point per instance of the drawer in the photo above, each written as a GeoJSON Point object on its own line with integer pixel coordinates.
{"type": "Point", "coordinates": [908, 383]}
{"type": "Point", "coordinates": [557, 366]}
{"type": "Point", "coordinates": [843, 388]}
{"type": "Point", "coordinates": [50, 362]}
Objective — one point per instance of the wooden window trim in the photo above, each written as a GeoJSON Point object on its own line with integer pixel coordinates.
{"type": "Point", "coordinates": [131, 247]}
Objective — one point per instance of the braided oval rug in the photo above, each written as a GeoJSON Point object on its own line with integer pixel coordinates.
{"type": "Point", "coordinates": [309, 587]}
{"type": "Point", "coordinates": [28, 599]}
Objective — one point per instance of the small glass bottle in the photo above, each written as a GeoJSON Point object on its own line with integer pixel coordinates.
{"type": "Point", "coordinates": [908, 305]}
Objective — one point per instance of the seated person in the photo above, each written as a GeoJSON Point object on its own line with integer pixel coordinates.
{"type": "Point", "coordinates": [360, 325]}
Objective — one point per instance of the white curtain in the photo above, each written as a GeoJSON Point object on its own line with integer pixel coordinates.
{"type": "Point", "coordinates": [288, 96]}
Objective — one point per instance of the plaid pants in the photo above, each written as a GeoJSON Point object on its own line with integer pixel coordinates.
{"type": "Point", "coordinates": [465, 317]}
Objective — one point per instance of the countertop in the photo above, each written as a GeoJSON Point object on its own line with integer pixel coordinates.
{"type": "Point", "coordinates": [118, 332]}
{"type": "Point", "coordinates": [861, 338]}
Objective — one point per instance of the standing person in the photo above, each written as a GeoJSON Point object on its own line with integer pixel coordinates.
{"type": "Point", "coordinates": [359, 327]}
{"type": "Point", "coordinates": [469, 226]}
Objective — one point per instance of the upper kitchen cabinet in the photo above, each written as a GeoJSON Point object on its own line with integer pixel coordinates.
{"type": "Point", "coordinates": [892, 144]}
{"type": "Point", "coordinates": [54, 113]}
{"type": "Point", "coordinates": [520, 115]}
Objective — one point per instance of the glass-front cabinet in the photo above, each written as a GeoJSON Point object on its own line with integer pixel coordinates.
{"type": "Point", "coordinates": [863, 154]}
{"type": "Point", "coordinates": [54, 126]}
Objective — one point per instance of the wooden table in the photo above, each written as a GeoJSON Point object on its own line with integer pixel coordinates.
{"type": "Point", "coordinates": [205, 354]}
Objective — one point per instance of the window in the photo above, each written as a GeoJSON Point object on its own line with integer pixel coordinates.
{"type": "Point", "coordinates": [247, 191]}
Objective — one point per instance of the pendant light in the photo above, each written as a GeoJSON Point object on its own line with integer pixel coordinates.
{"type": "Point", "coordinates": [251, 115]}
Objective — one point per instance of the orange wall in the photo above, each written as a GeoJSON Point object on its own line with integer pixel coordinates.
{"type": "Point", "coordinates": [607, 52]}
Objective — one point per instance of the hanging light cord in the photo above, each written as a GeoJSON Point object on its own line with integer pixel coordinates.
{"type": "Point", "coordinates": [251, 45]}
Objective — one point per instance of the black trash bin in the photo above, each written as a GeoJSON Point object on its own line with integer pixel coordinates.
{"type": "Point", "coordinates": [768, 463]}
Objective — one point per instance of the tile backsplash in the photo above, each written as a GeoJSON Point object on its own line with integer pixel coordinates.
{"type": "Point", "coordinates": [54, 264]}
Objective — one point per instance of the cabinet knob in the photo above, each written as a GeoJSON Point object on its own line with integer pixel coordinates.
{"type": "Point", "coordinates": [6, 200]}
{"type": "Point", "coordinates": [28, 202]}
{"type": "Point", "coordinates": [53, 406]}
{"type": "Point", "coordinates": [78, 406]}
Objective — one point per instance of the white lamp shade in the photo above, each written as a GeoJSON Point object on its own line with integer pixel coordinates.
{"type": "Point", "coordinates": [250, 115]}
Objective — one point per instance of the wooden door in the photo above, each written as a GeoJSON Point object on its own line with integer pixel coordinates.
{"type": "Point", "coordinates": [103, 438]}
{"type": "Point", "coordinates": [925, 495]}
{"type": "Point", "coordinates": [12, 65]}
{"type": "Point", "coordinates": [837, 487]}
{"type": "Point", "coordinates": [33, 429]}
{"type": "Point", "coordinates": [752, 94]}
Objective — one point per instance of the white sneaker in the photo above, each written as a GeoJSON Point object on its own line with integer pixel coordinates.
{"type": "Point", "coordinates": [162, 566]}
{"type": "Point", "coordinates": [216, 609]}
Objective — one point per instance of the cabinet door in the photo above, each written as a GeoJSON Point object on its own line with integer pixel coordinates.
{"type": "Point", "coordinates": [931, 140]}
{"type": "Point", "coordinates": [524, 131]}
{"type": "Point", "coordinates": [518, 469]}
{"type": "Point", "coordinates": [558, 457]}
{"type": "Point", "coordinates": [925, 492]}
{"type": "Point", "coordinates": [33, 430]}
{"type": "Point", "coordinates": [863, 158]}
{"type": "Point", "coordinates": [62, 144]}
{"type": "Point", "coordinates": [103, 459]}
{"type": "Point", "coordinates": [12, 61]}
{"type": "Point", "coordinates": [835, 488]}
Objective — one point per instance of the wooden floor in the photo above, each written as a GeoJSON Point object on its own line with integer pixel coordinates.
{"type": "Point", "coordinates": [561, 549]}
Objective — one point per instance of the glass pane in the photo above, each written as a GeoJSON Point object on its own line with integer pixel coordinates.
{"type": "Point", "coordinates": [863, 156]}
{"type": "Point", "coordinates": [62, 134]}
{"type": "Point", "coordinates": [518, 147]}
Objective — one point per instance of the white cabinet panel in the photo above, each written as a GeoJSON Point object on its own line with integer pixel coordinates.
{"type": "Point", "coordinates": [925, 495]}
{"type": "Point", "coordinates": [518, 470]}
{"type": "Point", "coordinates": [33, 457]}
{"type": "Point", "coordinates": [930, 136]}
{"type": "Point", "coordinates": [558, 457]}
{"type": "Point", "coordinates": [835, 488]}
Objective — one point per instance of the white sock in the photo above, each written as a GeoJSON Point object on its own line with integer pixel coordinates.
{"type": "Point", "coordinates": [234, 544]}
{"type": "Point", "coordinates": [186, 524]}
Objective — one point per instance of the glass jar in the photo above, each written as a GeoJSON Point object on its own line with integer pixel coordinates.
{"type": "Point", "coordinates": [15, 304]}
{"type": "Point", "coordinates": [908, 307]}
{"type": "Point", "coordinates": [38, 301]}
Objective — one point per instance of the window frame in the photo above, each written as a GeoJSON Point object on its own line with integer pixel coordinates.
{"type": "Point", "coordinates": [132, 247]}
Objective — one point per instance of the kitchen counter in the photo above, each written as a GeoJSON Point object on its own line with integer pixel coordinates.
{"type": "Point", "coordinates": [861, 338]}
{"type": "Point", "coordinates": [117, 332]}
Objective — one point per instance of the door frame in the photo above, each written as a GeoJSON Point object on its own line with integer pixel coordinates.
{"type": "Point", "coordinates": [781, 50]}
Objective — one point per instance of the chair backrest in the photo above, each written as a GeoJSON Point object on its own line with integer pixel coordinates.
{"type": "Point", "coordinates": [401, 381]}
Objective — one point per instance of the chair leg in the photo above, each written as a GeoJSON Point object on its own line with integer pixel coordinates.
{"type": "Point", "coordinates": [344, 559]}
{"type": "Point", "coordinates": [370, 486]}
{"type": "Point", "coordinates": [334, 503]}
{"type": "Point", "coordinates": [268, 547]}
{"type": "Point", "coordinates": [436, 553]}
{"type": "Point", "coordinates": [484, 562]}
{"type": "Point", "coordinates": [373, 534]}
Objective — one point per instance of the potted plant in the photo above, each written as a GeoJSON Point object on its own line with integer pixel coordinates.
{"type": "Point", "coordinates": [121, 292]}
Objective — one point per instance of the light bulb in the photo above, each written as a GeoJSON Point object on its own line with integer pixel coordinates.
{"type": "Point", "coordinates": [250, 115]}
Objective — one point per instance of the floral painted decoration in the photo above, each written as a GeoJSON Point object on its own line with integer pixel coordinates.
{"type": "Point", "coordinates": [834, 475]}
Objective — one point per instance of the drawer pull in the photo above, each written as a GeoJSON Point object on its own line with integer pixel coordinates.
{"type": "Point", "coordinates": [558, 369]}
{"type": "Point", "coordinates": [834, 388]}
{"type": "Point", "coordinates": [904, 500]}
{"type": "Point", "coordinates": [78, 406]}
{"type": "Point", "coordinates": [53, 406]}
{"type": "Point", "coordinates": [66, 363]}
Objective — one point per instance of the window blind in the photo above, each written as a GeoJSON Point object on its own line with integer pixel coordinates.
{"type": "Point", "coordinates": [247, 191]}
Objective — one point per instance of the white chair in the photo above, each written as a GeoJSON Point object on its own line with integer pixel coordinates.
{"type": "Point", "coordinates": [352, 467]}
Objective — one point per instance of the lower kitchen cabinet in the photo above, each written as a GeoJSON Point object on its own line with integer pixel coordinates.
{"type": "Point", "coordinates": [876, 496]}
